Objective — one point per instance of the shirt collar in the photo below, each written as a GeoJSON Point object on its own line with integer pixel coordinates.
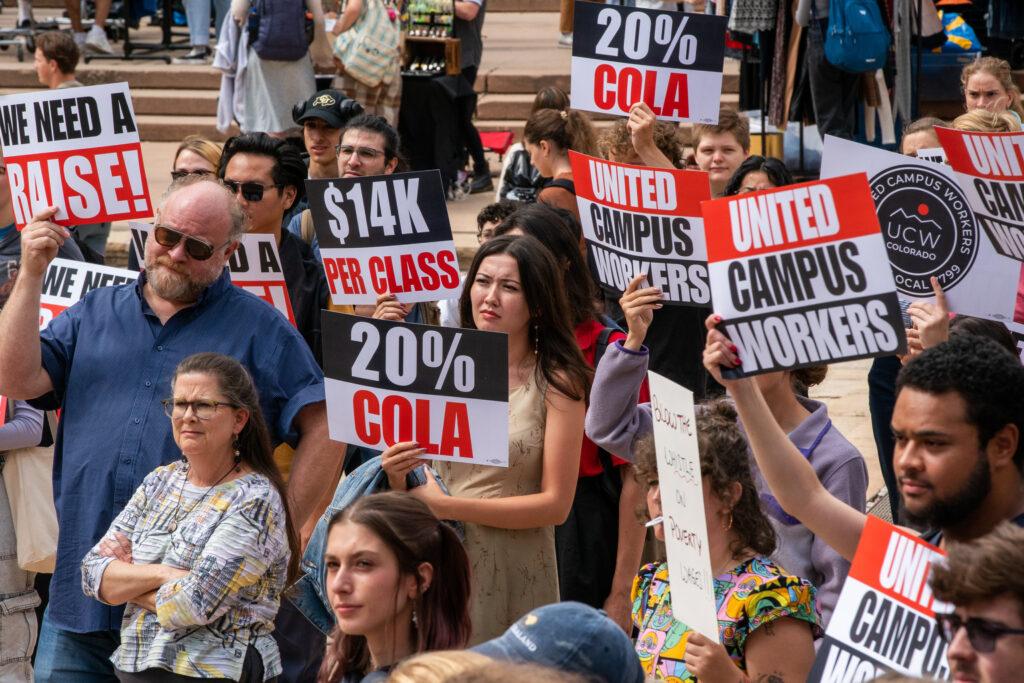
{"type": "Point", "coordinates": [807, 431]}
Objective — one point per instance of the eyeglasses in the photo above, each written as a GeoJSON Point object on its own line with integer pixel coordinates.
{"type": "Point", "coordinates": [178, 175]}
{"type": "Point", "coordinates": [198, 249]}
{"type": "Point", "coordinates": [204, 410]}
{"type": "Point", "coordinates": [364, 153]}
{"type": "Point", "coordinates": [251, 192]}
{"type": "Point", "coordinates": [981, 633]}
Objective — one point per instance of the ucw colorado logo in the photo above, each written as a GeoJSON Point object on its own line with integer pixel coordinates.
{"type": "Point", "coordinates": [928, 227]}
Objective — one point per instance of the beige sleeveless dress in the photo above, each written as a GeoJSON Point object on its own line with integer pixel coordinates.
{"type": "Point", "coordinates": [513, 570]}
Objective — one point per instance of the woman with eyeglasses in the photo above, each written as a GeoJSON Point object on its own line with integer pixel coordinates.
{"type": "Point", "coordinates": [196, 156]}
{"type": "Point", "coordinates": [204, 548]}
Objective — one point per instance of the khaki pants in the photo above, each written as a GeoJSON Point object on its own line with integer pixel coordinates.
{"type": "Point", "coordinates": [566, 12]}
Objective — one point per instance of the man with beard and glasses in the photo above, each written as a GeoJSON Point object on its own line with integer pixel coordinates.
{"type": "Point", "coordinates": [957, 425]}
{"type": "Point", "coordinates": [107, 362]}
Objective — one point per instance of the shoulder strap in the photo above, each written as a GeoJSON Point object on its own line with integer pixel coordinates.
{"type": "Point", "coordinates": [562, 183]}
{"type": "Point", "coordinates": [306, 226]}
{"type": "Point", "coordinates": [602, 344]}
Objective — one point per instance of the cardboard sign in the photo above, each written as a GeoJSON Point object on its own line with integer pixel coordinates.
{"type": "Point", "coordinates": [644, 220]}
{"type": "Point", "coordinates": [67, 282]}
{"type": "Point", "coordinates": [255, 267]}
{"type": "Point", "coordinates": [389, 382]}
{"type": "Point", "coordinates": [929, 230]}
{"type": "Point", "coordinates": [682, 506]}
{"type": "Point", "coordinates": [673, 61]}
{"type": "Point", "coordinates": [385, 234]}
{"type": "Point", "coordinates": [991, 171]}
{"type": "Point", "coordinates": [77, 149]}
{"type": "Point", "coordinates": [801, 277]}
{"type": "Point", "coordinates": [885, 617]}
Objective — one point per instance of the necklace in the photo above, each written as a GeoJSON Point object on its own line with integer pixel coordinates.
{"type": "Point", "coordinates": [181, 491]}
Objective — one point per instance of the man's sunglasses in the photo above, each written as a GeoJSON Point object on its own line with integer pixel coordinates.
{"type": "Point", "coordinates": [198, 249]}
{"type": "Point", "coordinates": [981, 633]}
{"type": "Point", "coordinates": [251, 192]}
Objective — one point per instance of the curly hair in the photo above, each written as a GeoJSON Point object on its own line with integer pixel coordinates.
{"type": "Point", "coordinates": [617, 139]}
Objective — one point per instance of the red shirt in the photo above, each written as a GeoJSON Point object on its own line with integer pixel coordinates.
{"type": "Point", "coordinates": [586, 336]}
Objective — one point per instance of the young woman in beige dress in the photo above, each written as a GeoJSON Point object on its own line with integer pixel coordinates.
{"type": "Point", "coordinates": [510, 513]}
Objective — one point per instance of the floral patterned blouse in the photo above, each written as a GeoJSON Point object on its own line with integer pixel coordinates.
{"type": "Point", "coordinates": [754, 593]}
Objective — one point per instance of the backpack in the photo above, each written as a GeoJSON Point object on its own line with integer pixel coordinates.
{"type": "Point", "coordinates": [857, 39]}
{"type": "Point", "coordinates": [280, 30]}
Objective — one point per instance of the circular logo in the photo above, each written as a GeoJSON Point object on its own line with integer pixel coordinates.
{"type": "Point", "coordinates": [928, 227]}
{"type": "Point", "coordinates": [324, 101]}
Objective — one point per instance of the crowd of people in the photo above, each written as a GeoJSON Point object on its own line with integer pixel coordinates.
{"type": "Point", "coordinates": [211, 529]}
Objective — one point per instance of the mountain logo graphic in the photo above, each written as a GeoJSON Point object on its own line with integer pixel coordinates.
{"type": "Point", "coordinates": [899, 212]}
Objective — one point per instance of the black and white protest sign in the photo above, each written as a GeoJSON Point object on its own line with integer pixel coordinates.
{"type": "Point", "coordinates": [445, 388]}
{"type": "Point", "coordinates": [385, 234]}
{"type": "Point", "coordinates": [929, 230]}
{"type": "Point", "coordinates": [673, 61]}
{"type": "Point", "coordinates": [801, 277]}
{"type": "Point", "coordinates": [644, 220]}
{"type": "Point", "coordinates": [77, 149]}
{"type": "Point", "coordinates": [67, 282]}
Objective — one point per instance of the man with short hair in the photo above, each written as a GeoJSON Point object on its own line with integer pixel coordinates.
{"type": "Point", "coordinates": [982, 580]}
{"type": "Point", "coordinates": [369, 146]}
{"type": "Point", "coordinates": [56, 59]}
{"type": "Point", "coordinates": [323, 117]}
{"type": "Point", "coordinates": [107, 362]}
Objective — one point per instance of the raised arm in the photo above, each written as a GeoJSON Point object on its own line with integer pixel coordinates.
{"type": "Point", "coordinates": [316, 465]}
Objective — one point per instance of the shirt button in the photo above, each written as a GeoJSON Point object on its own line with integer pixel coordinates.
{"type": "Point", "coordinates": [159, 348]}
{"type": "Point", "coordinates": [148, 383]}
{"type": "Point", "coordinates": [137, 420]}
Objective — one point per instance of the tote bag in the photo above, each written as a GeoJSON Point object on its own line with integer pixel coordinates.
{"type": "Point", "coordinates": [370, 48]}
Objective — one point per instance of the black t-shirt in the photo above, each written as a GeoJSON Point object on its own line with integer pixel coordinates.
{"type": "Point", "coordinates": [676, 343]}
{"type": "Point", "coordinates": [470, 35]}
{"type": "Point", "coordinates": [307, 288]}
{"type": "Point", "coordinates": [934, 536]}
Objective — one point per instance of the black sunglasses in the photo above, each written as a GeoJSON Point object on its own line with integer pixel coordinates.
{"type": "Point", "coordinates": [251, 192]}
{"type": "Point", "coordinates": [981, 633]}
{"type": "Point", "coordinates": [198, 249]}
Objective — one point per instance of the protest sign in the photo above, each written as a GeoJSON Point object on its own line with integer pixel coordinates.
{"type": "Point", "coordinates": [255, 266]}
{"type": "Point", "coordinates": [929, 230]}
{"type": "Point", "coordinates": [991, 171]}
{"type": "Point", "coordinates": [682, 506]}
{"type": "Point", "coordinates": [385, 234]}
{"type": "Point", "coordinates": [801, 277]}
{"type": "Point", "coordinates": [936, 155]}
{"type": "Point", "coordinates": [671, 60]}
{"type": "Point", "coordinates": [77, 149]}
{"type": "Point", "coordinates": [885, 617]}
{"type": "Point", "coordinates": [67, 282]}
{"type": "Point", "coordinates": [644, 220]}
{"type": "Point", "coordinates": [446, 388]}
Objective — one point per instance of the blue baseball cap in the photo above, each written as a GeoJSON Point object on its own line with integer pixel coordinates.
{"type": "Point", "coordinates": [569, 636]}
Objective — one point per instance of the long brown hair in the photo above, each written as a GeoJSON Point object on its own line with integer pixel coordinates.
{"type": "Point", "coordinates": [566, 128]}
{"type": "Point", "coordinates": [411, 531]}
{"type": "Point", "coordinates": [254, 443]}
{"type": "Point", "coordinates": [559, 359]}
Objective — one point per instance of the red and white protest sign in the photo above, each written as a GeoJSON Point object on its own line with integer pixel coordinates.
{"type": "Point", "coordinates": [801, 276]}
{"type": "Point", "coordinates": [67, 282]}
{"type": "Point", "coordinates": [385, 234]}
{"type": "Point", "coordinates": [77, 149]}
{"type": "Point", "coordinates": [644, 220]}
{"type": "Point", "coordinates": [885, 618]}
{"type": "Point", "coordinates": [389, 382]}
{"type": "Point", "coordinates": [255, 267]}
{"type": "Point", "coordinates": [673, 61]}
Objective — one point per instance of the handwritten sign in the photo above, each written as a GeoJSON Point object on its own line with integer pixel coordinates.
{"type": "Point", "coordinates": [682, 503]}
{"type": "Point", "coordinates": [77, 149]}
{"type": "Point", "coordinates": [67, 282]}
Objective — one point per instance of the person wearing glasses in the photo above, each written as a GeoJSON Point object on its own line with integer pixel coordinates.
{"type": "Point", "coordinates": [982, 580]}
{"type": "Point", "coordinates": [107, 361]}
{"type": "Point", "coordinates": [268, 176]}
{"type": "Point", "coordinates": [201, 553]}
{"type": "Point", "coordinates": [196, 156]}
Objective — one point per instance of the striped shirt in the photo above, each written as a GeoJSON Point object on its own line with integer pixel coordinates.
{"type": "Point", "coordinates": [234, 544]}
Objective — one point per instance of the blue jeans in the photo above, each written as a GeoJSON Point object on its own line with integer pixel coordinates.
{"type": "Point", "coordinates": [67, 657]}
{"type": "Point", "coordinates": [197, 14]}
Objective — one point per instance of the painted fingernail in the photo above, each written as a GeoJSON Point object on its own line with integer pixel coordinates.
{"type": "Point", "coordinates": [718, 318]}
{"type": "Point", "coordinates": [732, 347]}
{"type": "Point", "coordinates": [738, 361]}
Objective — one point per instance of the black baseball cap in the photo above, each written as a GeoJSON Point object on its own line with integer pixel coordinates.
{"type": "Point", "coordinates": [332, 106]}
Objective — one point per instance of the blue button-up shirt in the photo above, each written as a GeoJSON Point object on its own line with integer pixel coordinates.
{"type": "Point", "coordinates": [111, 361]}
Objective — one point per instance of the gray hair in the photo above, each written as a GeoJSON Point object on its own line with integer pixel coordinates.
{"type": "Point", "coordinates": [239, 221]}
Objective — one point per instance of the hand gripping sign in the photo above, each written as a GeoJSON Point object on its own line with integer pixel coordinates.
{"type": "Point", "coordinates": [67, 282]}
{"type": "Point", "coordinates": [77, 149]}
{"type": "Point", "coordinates": [255, 267]}
{"type": "Point", "coordinates": [801, 277]}
{"type": "Point", "coordinates": [390, 382]}
{"type": "Point", "coordinates": [671, 60]}
{"type": "Point", "coordinates": [885, 618]}
{"type": "Point", "coordinates": [991, 171]}
{"type": "Point", "coordinates": [644, 220]}
{"type": "Point", "coordinates": [385, 234]}
{"type": "Point", "coordinates": [682, 503]}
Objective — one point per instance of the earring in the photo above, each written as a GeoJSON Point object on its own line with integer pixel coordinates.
{"type": "Point", "coordinates": [238, 455]}
{"type": "Point", "coordinates": [415, 624]}
{"type": "Point", "coordinates": [729, 525]}
{"type": "Point", "coordinates": [536, 339]}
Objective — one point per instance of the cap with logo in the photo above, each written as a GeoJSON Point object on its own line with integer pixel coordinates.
{"type": "Point", "coordinates": [569, 636]}
{"type": "Point", "coordinates": [332, 106]}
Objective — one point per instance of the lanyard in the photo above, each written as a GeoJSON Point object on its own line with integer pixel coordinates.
{"type": "Point", "coordinates": [769, 502]}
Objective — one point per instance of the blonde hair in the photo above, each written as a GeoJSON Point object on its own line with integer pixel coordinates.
{"type": "Point", "coordinates": [437, 667]}
{"type": "Point", "coordinates": [1000, 70]}
{"type": "Point", "coordinates": [985, 121]}
{"type": "Point", "coordinates": [207, 149]}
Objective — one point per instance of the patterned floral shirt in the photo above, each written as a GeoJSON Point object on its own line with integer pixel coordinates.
{"type": "Point", "coordinates": [234, 544]}
{"type": "Point", "coordinates": [752, 594]}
